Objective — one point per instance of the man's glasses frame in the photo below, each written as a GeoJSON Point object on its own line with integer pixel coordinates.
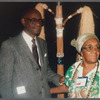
{"type": "Point", "coordinates": [35, 21]}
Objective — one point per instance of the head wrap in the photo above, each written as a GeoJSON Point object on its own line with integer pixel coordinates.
{"type": "Point", "coordinates": [78, 43]}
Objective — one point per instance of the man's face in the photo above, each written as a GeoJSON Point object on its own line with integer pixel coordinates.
{"type": "Point", "coordinates": [32, 28]}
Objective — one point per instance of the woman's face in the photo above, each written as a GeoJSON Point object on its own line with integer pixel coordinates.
{"type": "Point", "coordinates": [90, 51]}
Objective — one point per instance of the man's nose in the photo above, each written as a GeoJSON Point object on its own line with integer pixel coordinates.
{"type": "Point", "coordinates": [38, 23]}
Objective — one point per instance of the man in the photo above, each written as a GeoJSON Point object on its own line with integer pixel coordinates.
{"type": "Point", "coordinates": [20, 75]}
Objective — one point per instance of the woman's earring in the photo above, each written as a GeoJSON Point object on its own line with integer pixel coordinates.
{"type": "Point", "coordinates": [81, 57]}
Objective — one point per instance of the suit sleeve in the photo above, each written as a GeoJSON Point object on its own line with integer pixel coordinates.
{"type": "Point", "coordinates": [52, 76]}
{"type": "Point", "coordinates": [6, 70]}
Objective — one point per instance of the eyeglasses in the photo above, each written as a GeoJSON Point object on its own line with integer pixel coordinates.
{"type": "Point", "coordinates": [35, 21]}
{"type": "Point", "coordinates": [90, 48]}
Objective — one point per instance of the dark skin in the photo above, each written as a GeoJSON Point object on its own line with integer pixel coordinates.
{"type": "Point", "coordinates": [89, 59]}
{"type": "Point", "coordinates": [34, 29]}
{"type": "Point", "coordinates": [30, 28]}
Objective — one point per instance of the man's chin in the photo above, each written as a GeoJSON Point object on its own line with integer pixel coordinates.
{"type": "Point", "coordinates": [37, 34]}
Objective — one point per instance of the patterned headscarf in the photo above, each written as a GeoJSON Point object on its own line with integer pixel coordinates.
{"type": "Point", "coordinates": [78, 43]}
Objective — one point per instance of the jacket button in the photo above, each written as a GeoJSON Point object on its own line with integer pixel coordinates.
{"type": "Point", "coordinates": [37, 68]}
{"type": "Point", "coordinates": [41, 79]}
{"type": "Point", "coordinates": [40, 92]}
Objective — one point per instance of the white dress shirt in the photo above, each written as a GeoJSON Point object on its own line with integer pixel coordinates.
{"type": "Point", "coordinates": [28, 39]}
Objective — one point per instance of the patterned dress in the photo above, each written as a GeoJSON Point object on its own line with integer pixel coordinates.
{"type": "Point", "coordinates": [82, 91]}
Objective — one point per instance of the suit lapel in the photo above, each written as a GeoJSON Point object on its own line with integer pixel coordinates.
{"type": "Point", "coordinates": [40, 51]}
{"type": "Point", "coordinates": [25, 49]}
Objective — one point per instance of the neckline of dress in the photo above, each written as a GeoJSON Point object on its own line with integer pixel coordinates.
{"type": "Point", "coordinates": [93, 77]}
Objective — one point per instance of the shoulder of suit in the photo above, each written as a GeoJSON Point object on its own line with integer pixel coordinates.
{"type": "Point", "coordinates": [11, 39]}
{"type": "Point", "coordinates": [41, 39]}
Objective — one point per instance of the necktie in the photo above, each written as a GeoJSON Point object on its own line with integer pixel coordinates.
{"type": "Point", "coordinates": [34, 52]}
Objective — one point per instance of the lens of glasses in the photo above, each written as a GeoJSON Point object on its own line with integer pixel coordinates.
{"type": "Point", "coordinates": [35, 21]}
{"type": "Point", "coordinates": [89, 48]}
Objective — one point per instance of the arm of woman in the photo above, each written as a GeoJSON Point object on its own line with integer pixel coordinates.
{"type": "Point", "coordinates": [61, 89]}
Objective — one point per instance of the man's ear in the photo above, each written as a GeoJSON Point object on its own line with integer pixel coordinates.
{"type": "Point", "coordinates": [23, 21]}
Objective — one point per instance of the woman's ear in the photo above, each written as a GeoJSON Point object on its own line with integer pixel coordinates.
{"type": "Point", "coordinates": [23, 21]}
{"type": "Point", "coordinates": [81, 54]}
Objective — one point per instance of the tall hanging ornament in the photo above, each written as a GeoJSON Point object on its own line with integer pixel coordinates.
{"type": "Point", "coordinates": [59, 31]}
{"type": "Point", "coordinates": [86, 24]}
{"type": "Point", "coordinates": [40, 8]}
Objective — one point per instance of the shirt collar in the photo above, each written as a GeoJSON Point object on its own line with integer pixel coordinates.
{"type": "Point", "coordinates": [27, 37]}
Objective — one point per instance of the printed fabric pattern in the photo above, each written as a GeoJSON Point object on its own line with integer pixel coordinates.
{"type": "Point", "coordinates": [82, 91]}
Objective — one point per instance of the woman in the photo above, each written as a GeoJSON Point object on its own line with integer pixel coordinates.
{"type": "Point", "coordinates": [82, 78]}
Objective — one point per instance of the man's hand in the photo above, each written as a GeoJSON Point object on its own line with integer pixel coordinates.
{"type": "Point", "coordinates": [61, 80]}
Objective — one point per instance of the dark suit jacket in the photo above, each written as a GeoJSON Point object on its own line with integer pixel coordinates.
{"type": "Point", "coordinates": [19, 69]}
